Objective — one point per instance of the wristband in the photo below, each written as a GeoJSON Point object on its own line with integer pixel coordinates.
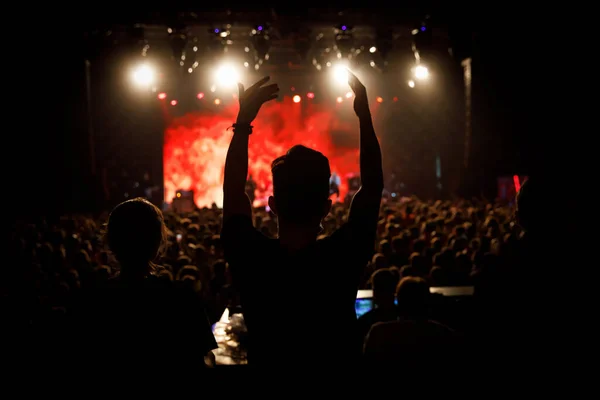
{"type": "Point", "coordinates": [242, 128]}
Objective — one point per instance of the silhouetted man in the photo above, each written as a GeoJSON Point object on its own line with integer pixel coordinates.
{"type": "Point", "coordinates": [297, 292]}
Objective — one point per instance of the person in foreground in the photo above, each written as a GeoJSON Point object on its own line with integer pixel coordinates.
{"type": "Point", "coordinates": [137, 321]}
{"type": "Point", "coordinates": [293, 318]}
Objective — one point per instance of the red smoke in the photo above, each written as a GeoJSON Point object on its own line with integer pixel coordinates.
{"type": "Point", "coordinates": [196, 146]}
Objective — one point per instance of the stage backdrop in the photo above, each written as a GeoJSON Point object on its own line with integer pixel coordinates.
{"type": "Point", "coordinates": [196, 145]}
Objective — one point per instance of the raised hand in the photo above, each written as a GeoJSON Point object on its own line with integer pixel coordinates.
{"type": "Point", "coordinates": [253, 98]}
{"type": "Point", "coordinates": [361, 103]}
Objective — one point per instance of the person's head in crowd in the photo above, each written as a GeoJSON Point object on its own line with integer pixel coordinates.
{"type": "Point", "coordinates": [165, 274]}
{"type": "Point", "coordinates": [379, 261]}
{"type": "Point", "coordinates": [217, 246]}
{"type": "Point", "coordinates": [300, 191]}
{"type": "Point", "coordinates": [417, 262]}
{"type": "Point", "coordinates": [102, 273]}
{"type": "Point", "coordinates": [181, 262]}
{"type": "Point", "coordinates": [437, 276]}
{"type": "Point", "coordinates": [202, 256]}
{"type": "Point", "coordinates": [385, 248]}
{"type": "Point", "coordinates": [191, 282]}
{"type": "Point", "coordinates": [463, 264]}
{"type": "Point", "coordinates": [104, 258]}
{"type": "Point", "coordinates": [413, 297]}
{"type": "Point", "coordinates": [419, 246]}
{"type": "Point", "coordinates": [188, 271]}
{"type": "Point", "coordinates": [396, 272]}
{"type": "Point", "coordinates": [135, 234]}
{"type": "Point", "coordinates": [400, 244]}
{"type": "Point", "coordinates": [384, 284]}
{"type": "Point", "coordinates": [407, 270]}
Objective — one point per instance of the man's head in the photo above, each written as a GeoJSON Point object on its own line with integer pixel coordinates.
{"type": "Point", "coordinates": [384, 283]}
{"type": "Point", "coordinates": [413, 296]}
{"type": "Point", "coordinates": [135, 232]}
{"type": "Point", "coordinates": [301, 186]}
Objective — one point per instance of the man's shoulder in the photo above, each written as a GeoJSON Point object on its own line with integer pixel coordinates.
{"type": "Point", "coordinates": [239, 228]}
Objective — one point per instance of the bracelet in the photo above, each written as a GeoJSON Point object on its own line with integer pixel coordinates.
{"type": "Point", "coordinates": [245, 128]}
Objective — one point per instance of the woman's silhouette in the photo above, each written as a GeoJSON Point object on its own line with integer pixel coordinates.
{"type": "Point", "coordinates": [137, 319]}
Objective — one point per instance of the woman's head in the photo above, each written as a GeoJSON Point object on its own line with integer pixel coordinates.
{"type": "Point", "coordinates": [136, 232]}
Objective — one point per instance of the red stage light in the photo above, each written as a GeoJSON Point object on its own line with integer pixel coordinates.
{"type": "Point", "coordinates": [200, 96]}
{"type": "Point", "coordinates": [173, 102]}
{"type": "Point", "coordinates": [297, 99]}
{"type": "Point", "coordinates": [162, 96]}
{"type": "Point", "coordinates": [310, 95]}
{"type": "Point", "coordinates": [379, 99]}
{"type": "Point", "coordinates": [395, 98]}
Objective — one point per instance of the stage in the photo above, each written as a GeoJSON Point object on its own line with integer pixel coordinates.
{"type": "Point", "coordinates": [195, 146]}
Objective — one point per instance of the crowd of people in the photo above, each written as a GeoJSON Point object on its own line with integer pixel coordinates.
{"type": "Point", "coordinates": [137, 278]}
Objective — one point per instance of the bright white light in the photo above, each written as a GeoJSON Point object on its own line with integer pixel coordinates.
{"type": "Point", "coordinates": [349, 95]}
{"type": "Point", "coordinates": [227, 76]}
{"type": "Point", "coordinates": [297, 99]}
{"type": "Point", "coordinates": [340, 74]}
{"type": "Point", "coordinates": [143, 75]}
{"type": "Point", "coordinates": [421, 72]}
{"type": "Point", "coordinates": [411, 84]}
{"type": "Point", "coordinates": [373, 49]}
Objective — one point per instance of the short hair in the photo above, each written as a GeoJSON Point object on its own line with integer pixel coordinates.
{"type": "Point", "coordinates": [136, 231]}
{"type": "Point", "coordinates": [384, 281]}
{"type": "Point", "coordinates": [300, 183]}
{"type": "Point", "coordinates": [413, 295]}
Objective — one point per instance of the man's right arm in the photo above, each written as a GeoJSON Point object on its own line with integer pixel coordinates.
{"type": "Point", "coordinates": [364, 209]}
{"type": "Point", "coordinates": [366, 202]}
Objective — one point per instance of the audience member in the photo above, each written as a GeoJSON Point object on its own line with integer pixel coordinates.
{"type": "Point", "coordinates": [284, 309]}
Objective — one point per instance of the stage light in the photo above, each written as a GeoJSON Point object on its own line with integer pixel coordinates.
{"type": "Point", "coordinates": [395, 98]}
{"type": "Point", "coordinates": [143, 75]}
{"type": "Point", "coordinates": [227, 76]}
{"type": "Point", "coordinates": [340, 74]}
{"type": "Point", "coordinates": [411, 84]}
{"type": "Point", "coordinates": [421, 72]}
{"type": "Point", "coordinates": [162, 96]}
{"type": "Point", "coordinates": [380, 99]}
{"type": "Point", "coordinates": [310, 95]}
{"type": "Point", "coordinates": [217, 101]}
{"type": "Point", "coordinates": [200, 96]}
{"type": "Point", "coordinates": [339, 99]}
{"type": "Point", "coordinates": [348, 95]}
{"type": "Point", "coordinates": [373, 49]}
{"type": "Point", "coordinates": [173, 102]}
{"type": "Point", "coordinates": [297, 99]}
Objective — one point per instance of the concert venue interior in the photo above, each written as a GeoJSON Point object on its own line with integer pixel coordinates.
{"type": "Point", "coordinates": [187, 74]}
{"type": "Point", "coordinates": [167, 85]}
{"type": "Point", "coordinates": [125, 223]}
